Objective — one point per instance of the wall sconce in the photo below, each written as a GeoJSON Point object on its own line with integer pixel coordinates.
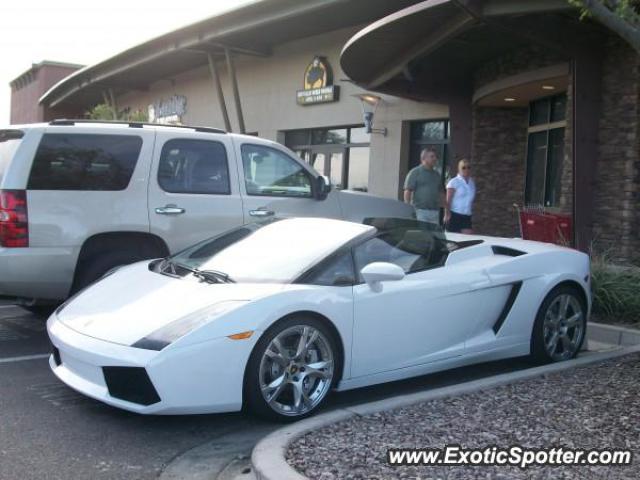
{"type": "Point", "coordinates": [369, 105]}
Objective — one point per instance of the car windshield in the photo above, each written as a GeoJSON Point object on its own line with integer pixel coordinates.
{"type": "Point", "coordinates": [274, 252]}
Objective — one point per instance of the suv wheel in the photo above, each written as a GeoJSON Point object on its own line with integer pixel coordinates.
{"type": "Point", "coordinates": [95, 267]}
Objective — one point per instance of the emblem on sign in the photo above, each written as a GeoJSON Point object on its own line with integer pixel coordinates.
{"type": "Point", "coordinates": [318, 84]}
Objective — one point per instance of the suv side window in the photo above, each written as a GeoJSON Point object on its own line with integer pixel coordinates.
{"type": "Point", "coordinates": [412, 250]}
{"type": "Point", "coordinates": [76, 161]}
{"type": "Point", "coordinates": [270, 172]}
{"type": "Point", "coordinates": [194, 166]}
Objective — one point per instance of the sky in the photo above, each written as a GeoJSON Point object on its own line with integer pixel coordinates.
{"type": "Point", "coordinates": [86, 31]}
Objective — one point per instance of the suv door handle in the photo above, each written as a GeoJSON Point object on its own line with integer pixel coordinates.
{"type": "Point", "coordinates": [170, 210]}
{"type": "Point", "coordinates": [261, 213]}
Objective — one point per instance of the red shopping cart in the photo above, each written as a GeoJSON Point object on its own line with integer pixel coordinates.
{"type": "Point", "coordinates": [538, 224]}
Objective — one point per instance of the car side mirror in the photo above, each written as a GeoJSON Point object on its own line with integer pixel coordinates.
{"type": "Point", "coordinates": [378, 272]}
{"type": "Point", "coordinates": [323, 187]}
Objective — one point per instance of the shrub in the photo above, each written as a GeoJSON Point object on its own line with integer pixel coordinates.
{"type": "Point", "coordinates": [616, 290]}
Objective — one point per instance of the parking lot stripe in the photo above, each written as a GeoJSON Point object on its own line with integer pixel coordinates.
{"type": "Point", "coordinates": [24, 358]}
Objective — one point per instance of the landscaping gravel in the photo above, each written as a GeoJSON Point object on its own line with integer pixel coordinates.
{"type": "Point", "coordinates": [596, 406]}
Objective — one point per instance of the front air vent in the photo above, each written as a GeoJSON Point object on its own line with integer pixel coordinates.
{"type": "Point", "coordinates": [506, 251]}
{"type": "Point", "coordinates": [131, 384]}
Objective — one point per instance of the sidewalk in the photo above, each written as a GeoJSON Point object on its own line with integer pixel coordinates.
{"type": "Point", "coordinates": [595, 406]}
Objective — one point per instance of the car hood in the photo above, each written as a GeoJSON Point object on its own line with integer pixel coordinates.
{"type": "Point", "coordinates": [356, 206]}
{"type": "Point", "coordinates": [133, 302]}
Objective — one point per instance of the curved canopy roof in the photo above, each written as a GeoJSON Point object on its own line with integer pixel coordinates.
{"type": "Point", "coordinates": [435, 45]}
{"type": "Point", "coordinates": [253, 29]}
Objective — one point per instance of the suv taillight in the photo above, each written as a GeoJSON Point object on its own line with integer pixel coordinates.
{"type": "Point", "coordinates": [14, 222]}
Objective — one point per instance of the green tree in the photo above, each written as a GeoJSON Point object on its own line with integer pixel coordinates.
{"type": "Point", "coordinates": [104, 111]}
{"type": "Point", "coordinates": [619, 16]}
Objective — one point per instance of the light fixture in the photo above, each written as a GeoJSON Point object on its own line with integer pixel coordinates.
{"type": "Point", "coordinates": [369, 105]}
{"type": "Point", "coordinates": [548, 87]}
{"type": "Point", "coordinates": [509, 99]}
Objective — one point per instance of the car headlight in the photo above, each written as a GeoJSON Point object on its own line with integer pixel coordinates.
{"type": "Point", "coordinates": [179, 328]}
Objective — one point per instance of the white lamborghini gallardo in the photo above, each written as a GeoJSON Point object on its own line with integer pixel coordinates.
{"type": "Point", "coordinates": [274, 315]}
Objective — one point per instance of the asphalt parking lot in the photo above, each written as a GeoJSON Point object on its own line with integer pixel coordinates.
{"type": "Point", "coordinates": [49, 431]}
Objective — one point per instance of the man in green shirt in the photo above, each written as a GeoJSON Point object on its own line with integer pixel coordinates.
{"type": "Point", "coordinates": [423, 188]}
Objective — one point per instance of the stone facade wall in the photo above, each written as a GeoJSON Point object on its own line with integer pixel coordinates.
{"type": "Point", "coordinates": [616, 214]}
{"type": "Point", "coordinates": [498, 152]}
{"type": "Point", "coordinates": [522, 60]}
{"type": "Point", "coordinates": [500, 147]}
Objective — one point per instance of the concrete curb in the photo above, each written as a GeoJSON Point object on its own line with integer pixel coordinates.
{"type": "Point", "coordinates": [613, 335]}
{"type": "Point", "coordinates": [268, 457]}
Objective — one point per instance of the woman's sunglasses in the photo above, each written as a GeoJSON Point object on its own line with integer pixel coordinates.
{"type": "Point", "coordinates": [466, 167]}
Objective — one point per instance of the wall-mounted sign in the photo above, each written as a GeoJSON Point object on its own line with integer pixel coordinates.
{"type": "Point", "coordinates": [318, 84]}
{"type": "Point", "coordinates": [169, 111]}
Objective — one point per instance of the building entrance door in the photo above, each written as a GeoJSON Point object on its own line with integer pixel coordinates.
{"type": "Point", "coordinates": [330, 161]}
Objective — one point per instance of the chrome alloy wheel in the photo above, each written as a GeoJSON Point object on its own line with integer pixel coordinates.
{"type": "Point", "coordinates": [296, 370]}
{"type": "Point", "coordinates": [564, 326]}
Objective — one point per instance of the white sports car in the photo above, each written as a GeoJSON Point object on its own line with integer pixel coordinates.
{"type": "Point", "coordinates": [275, 315]}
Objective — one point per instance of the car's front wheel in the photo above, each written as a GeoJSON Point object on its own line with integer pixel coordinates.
{"type": "Point", "coordinates": [292, 369]}
{"type": "Point", "coordinates": [560, 325]}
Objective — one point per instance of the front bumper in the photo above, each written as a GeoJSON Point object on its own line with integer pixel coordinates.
{"type": "Point", "coordinates": [201, 378]}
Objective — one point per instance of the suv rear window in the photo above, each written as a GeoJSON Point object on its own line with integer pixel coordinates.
{"type": "Point", "coordinates": [9, 141]}
{"type": "Point", "coordinates": [69, 161]}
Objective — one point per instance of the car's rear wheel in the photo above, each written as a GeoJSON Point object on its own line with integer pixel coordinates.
{"type": "Point", "coordinates": [292, 369]}
{"type": "Point", "coordinates": [560, 325]}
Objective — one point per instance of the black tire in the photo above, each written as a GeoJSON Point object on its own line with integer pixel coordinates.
{"type": "Point", "coordinates": [542, 339]}
{"type": "Point", "coordinates": [41, 310]}
{"type": "Point", "coordinates": [254, 400]}
{"type": "Point", "coordinates": [95, 267]}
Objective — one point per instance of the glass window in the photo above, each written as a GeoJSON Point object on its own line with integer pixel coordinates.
{"type": "Point", "coordinates": [554, 167]}
{"type": "Point", "coordinates": [66, 161]}
{"type": "Point", "coordinates": [336, 272]}
{"type": "Point", "coordinates": [539, 112]}
{"type": "Point", "coordinates": [548, 110]}
{"type": "Point", "coordinates": [427, 131]}
{"type": "Point", "coordinates": [337, 169]}
{"type": "Point", "coordinates": [294, 138]}
{"type": "Point", "coordinates": [359, 168]}
{"type": "Point", "coordinates": [430, 134]}
{"type": "Point", "coordinates": [333, 136]}
{"type": "Point", "coordinates": [194, 166]}
{"type": "Point", "coordinates": [545, 151]}
{"type": "Point", "coordinates": [9, 142]}
{"type": "Point", "coordinates": [558, 108]}
{"type": "Point", "coordinates": [411, 249]}
{"type": "Point", "coordinates": [270, 172]}
{"type": "Point", "coordinates": [536, 165]}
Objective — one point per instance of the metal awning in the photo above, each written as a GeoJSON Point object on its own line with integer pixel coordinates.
{"type": "Point", "coordinates": [250, 30]}
{"type": "Point", "coordinates": [432, 48]}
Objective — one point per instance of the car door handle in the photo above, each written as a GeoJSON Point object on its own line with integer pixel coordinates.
{"type": "Point", "coordinates": [170, 210]}
{"type": "Point", "coordinates": [261, 213]}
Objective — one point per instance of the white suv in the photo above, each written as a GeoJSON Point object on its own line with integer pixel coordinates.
{"type": "Point", "coordinates": [78, 198]}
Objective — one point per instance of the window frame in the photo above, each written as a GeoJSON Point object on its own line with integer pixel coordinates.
{"type": "Point", "coordinates": [200, 140]}
{"type": "Point", "coordinates": [547, 128]}
{"type": "Point", "coordinates": [300, 163]}
{"type": "Point", "coordinates": [345, 148]}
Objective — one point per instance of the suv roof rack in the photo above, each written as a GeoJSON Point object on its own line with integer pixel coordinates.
{"type": "Point", "coordinates": [67, 122]}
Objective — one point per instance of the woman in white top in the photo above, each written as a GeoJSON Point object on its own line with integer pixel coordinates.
{"type": "Point", "coordinates": [461, 191]}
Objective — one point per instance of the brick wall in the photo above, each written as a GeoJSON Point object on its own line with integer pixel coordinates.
{"type": "Point", "coordinates": [617, 196]}
{"type": "Point", "coordinates": [498, 152]}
